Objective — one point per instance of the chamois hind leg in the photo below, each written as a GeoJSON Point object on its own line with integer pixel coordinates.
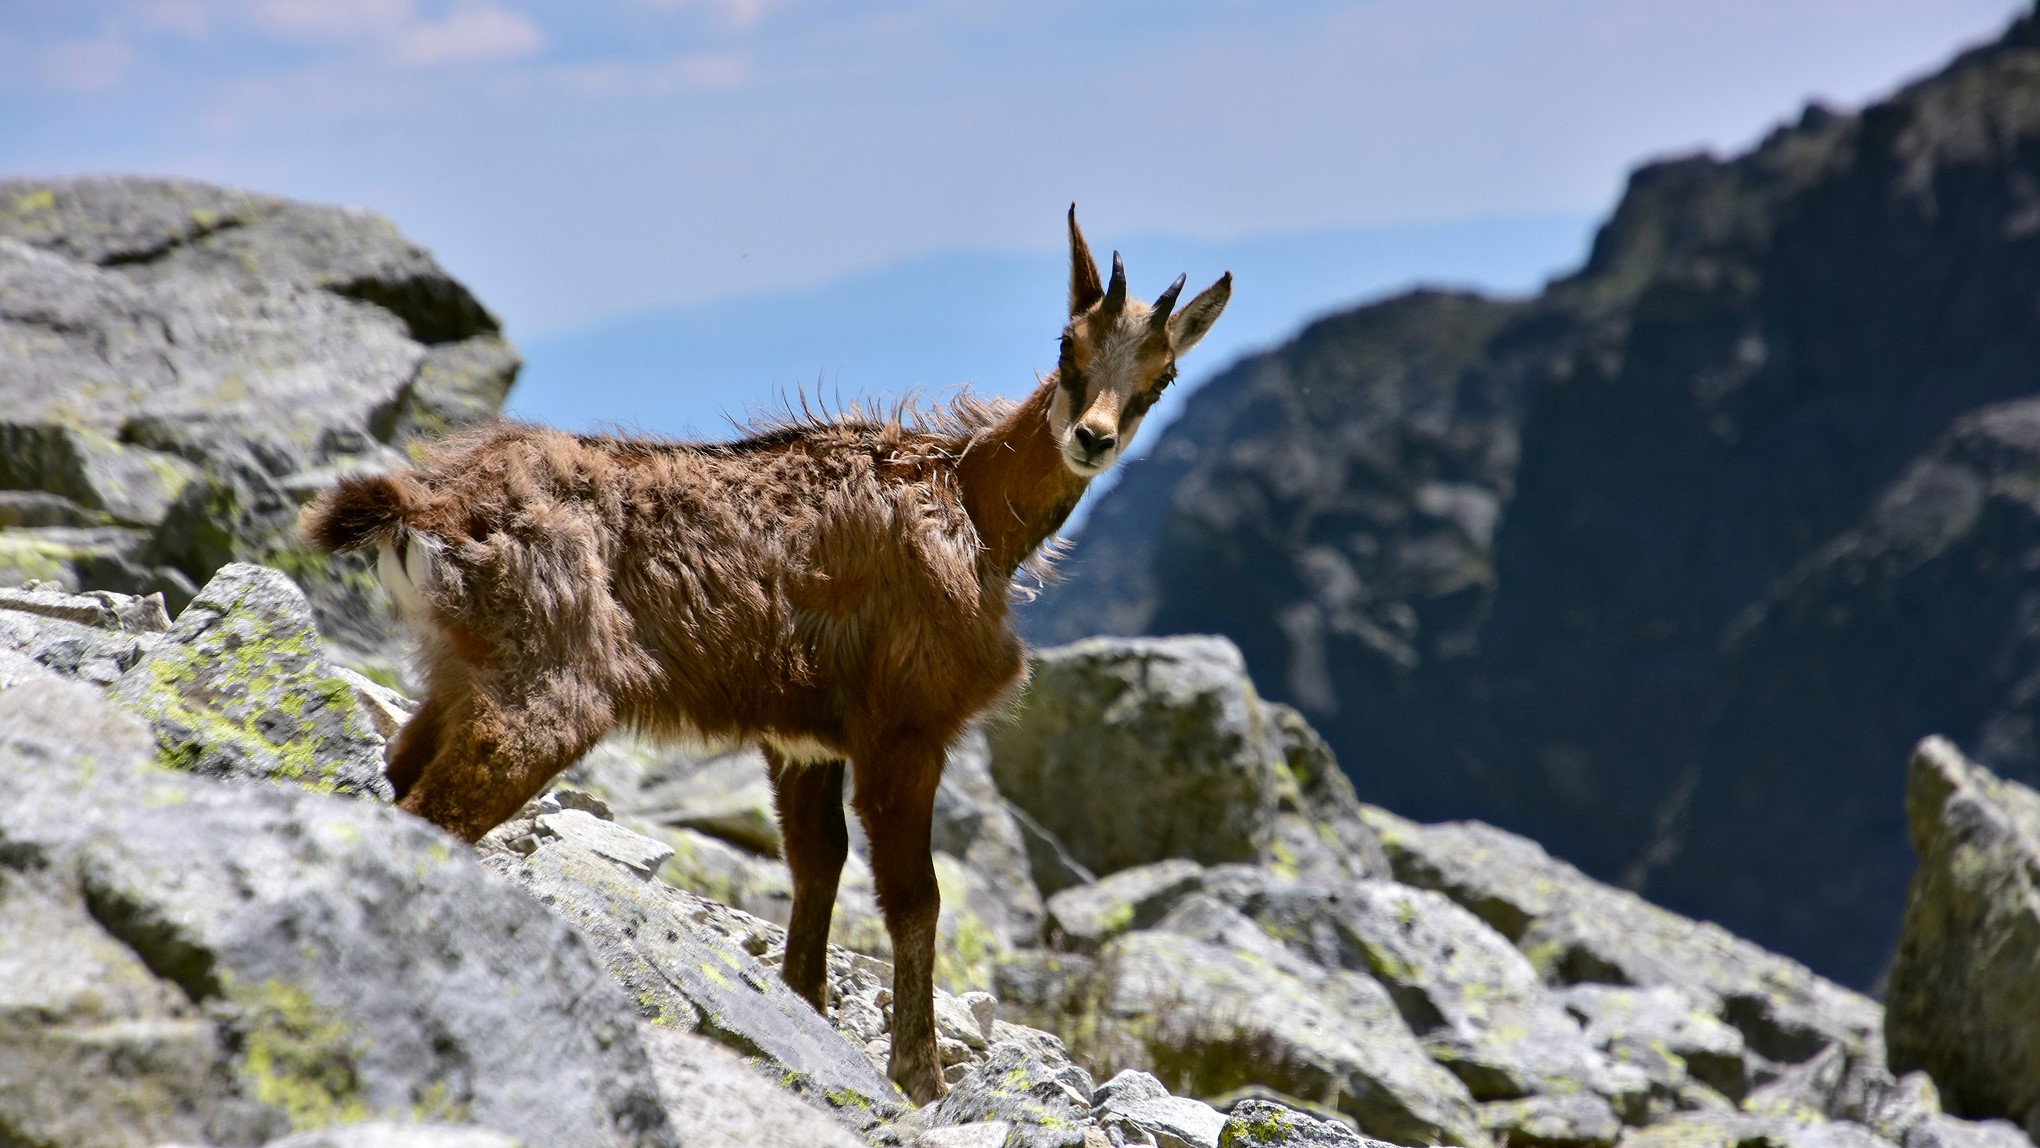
{"type": "Point", "coordinates": [895, 799]}
{"type": "Point", "coordinates": [502, 748]}
{"type": "Point", "coordinates": [809, 799]}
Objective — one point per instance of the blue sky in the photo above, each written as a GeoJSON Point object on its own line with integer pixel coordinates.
{"type": "Point", "coordinates": [582, 164]}
{"type": "Point", "coordinates": [576, 161]}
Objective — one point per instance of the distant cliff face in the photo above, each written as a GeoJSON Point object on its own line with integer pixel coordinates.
{"type": "Point", "coordinates": [1668, 566]}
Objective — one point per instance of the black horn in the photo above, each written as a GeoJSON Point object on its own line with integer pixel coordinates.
{"type": "Point", "coordinates": [1115, 292]}
{"type": "Point", "coordinates": [1167, 302]}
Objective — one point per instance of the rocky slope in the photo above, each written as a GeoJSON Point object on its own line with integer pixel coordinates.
{"type": "Point", "coordinates": [1668, 566]}
{"type": "Point", "coordinates": [205, 945]}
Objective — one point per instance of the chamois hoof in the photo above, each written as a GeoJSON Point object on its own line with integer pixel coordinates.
{"type": "Point", "coordinates": [923, 1086]}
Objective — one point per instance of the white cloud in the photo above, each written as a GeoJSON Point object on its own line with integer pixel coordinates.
{"type": "Point", "coordinates": [705, 71]}
{"type": "Point", "coordinates": [473, 30]}
{"type": "Point", "coordinates": [739, 15]}
{"type": "Point", "coordinates": [335, 21]}
{"type": "Point", "coordinates": [187, 18]}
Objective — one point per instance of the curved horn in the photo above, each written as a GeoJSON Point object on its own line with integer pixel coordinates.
{"type": "Point", "coordinates": [1167, 303]}
{"type": "Point", "coordinates": [1115, 293]}
{"type": "Point", "coordinates": [1084, 288]}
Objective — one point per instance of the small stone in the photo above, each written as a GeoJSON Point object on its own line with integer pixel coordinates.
{"type": "Point", "coordinates": [951, 1051]}
{"type": "Point", "coordinates": [635, 852]}
{"type": "Point", "coordinates": [1263, 1124]}
{"type": "Point", "coordinates": [1138, 1102]}
{"type": "Point", "coordinates": [984, 1134]}
{"type": "Point", "coordinates": [984, 1008]}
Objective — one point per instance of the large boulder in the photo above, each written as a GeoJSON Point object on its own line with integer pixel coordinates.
{"type": "Point", "coordinates": [721, 1101]}
{"type": "Point", "coordinates": [181, 364]}
{"type": "Point", "coordinates": [650, 939]}
{"type": "Point", "coordinates": [1210, 1004]}
{"type": "Point", "coordinates": [1964, 1001]}
{"type": "Point", "coordinates": [192, 961]}
{"type": "Point", "coordinates": [1576, 930]}
{"type": "Point", "coordinates": [1177, 722]}
{"type": "Point", "coordinates": [1469, 995]}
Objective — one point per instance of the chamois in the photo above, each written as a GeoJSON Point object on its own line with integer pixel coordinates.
{"type": "Point", "coordinates": [829, 589]}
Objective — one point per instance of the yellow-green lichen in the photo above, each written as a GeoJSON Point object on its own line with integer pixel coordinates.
{"type": "Point", "coordinates": [299, 1057]}
{"type": "Point", "coordinates": [1265, 1129]}
{"type": "Point", "coordinates": [436, 1104]}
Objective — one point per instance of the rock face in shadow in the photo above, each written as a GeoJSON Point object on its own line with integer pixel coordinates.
{"type": "Point", "coordinates": [1965, 985]}
{"type": "Point", "coordinates": [1668, 566]}
{"type": "Point", "coordinates": [181, 365]}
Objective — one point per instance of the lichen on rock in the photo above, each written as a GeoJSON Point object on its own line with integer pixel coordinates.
{"type": "Point", "coordinates": [240, 687]}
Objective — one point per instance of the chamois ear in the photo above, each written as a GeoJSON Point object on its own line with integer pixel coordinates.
{"type": "Point", "coordinates": [1187, 326]}
{"type": "Point", "coordinates": [1085, 289]}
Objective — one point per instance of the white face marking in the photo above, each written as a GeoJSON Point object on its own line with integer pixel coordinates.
{"type": "Point", "coordinates": [1114, 384]}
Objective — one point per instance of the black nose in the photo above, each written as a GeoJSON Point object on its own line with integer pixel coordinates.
{"type": "Point", "coordinates": [1094, 444]}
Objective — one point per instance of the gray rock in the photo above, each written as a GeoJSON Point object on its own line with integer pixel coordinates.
{"type": "Point", "coordinates": [1575, 1120]}
{"type": "Point", "coordinates": [181, 358]}
{"type": "Point", "coordinates": [228, 963]}
{"type": "Point", "coordinates": [983, 1134]}
{"type": "Point", "coordinates": [1575, 930]}
{"type": "Point", "coordinates": [381, 1134]}
{"type": "Point", "coordinates": [92, 638]}
{"type": "Point", "coordinates": [99, 609]}
{"type": "Point", "coordinates": [1736, 1130]}
{"type": "Point", "coordinates": [1964, 999]}
{"type": "Point", "coordinates": [1207, 1001]}
{"type": "Point", "coordinates": [1664, 1032]}
{"type": "Point", "coordinates": [726, 795]}
{"type": "Point", "coordinates": [1174, 720]}
{"type": "Point", "coordinates": [387, 709]}
{"type": "Point", "coordinates": [634, 851]}
{"type": "Point", "coordinates": [132, 486]}
{"type": "Point", "coordinates": [240, 688]}
{"type": "Point", "coordinates": [1083, 918]}
{"type": "Point", "coordinates": [1262, 1124]}
{"type": "Point", "coordinates": [1321, 832]}
{"type": "Point", "coordinates": [975, 825]}
{"type": "Point", "coordinates": [684, 974]}
{"type": "Point", "coordinates": [1942, 1131]}
{"type": "Point", "coordinates": [719, 1101]}
{"type": "Point", "coordinates": [1016, 1087]}
{"type": "Point", "coordinates": [1048, 858]}
{"type": "Point", "coordinates": [1136, 1101]}
{"type": "Point", "coordinates": [1472, 999]}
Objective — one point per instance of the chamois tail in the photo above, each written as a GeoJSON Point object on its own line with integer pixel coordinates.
{"type": "Point", "coordinates": [370, 510]}
{"type": "Point", "coordinates": [359, 510]}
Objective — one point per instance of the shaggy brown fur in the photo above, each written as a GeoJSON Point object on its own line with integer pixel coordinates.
{"type": "Point", "coordinates": [830, 589]}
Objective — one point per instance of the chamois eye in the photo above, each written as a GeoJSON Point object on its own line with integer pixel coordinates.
{"type": "Point", "coordinates": [1168, 376]}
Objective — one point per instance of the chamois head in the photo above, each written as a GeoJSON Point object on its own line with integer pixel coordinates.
{"type": "Point", "coordinates": [1117, 356]}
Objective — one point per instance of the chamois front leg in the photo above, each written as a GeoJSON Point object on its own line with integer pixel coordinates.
{"type": "Point", "coordinates": [809, 800]}
{"type": "Point", "coordinates": [895, 799]}
{"type": "Point", "coordinates": [417, 743]}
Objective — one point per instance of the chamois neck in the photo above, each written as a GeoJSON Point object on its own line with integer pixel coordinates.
{"type": "Point", "coordinates": [1016, 487]}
